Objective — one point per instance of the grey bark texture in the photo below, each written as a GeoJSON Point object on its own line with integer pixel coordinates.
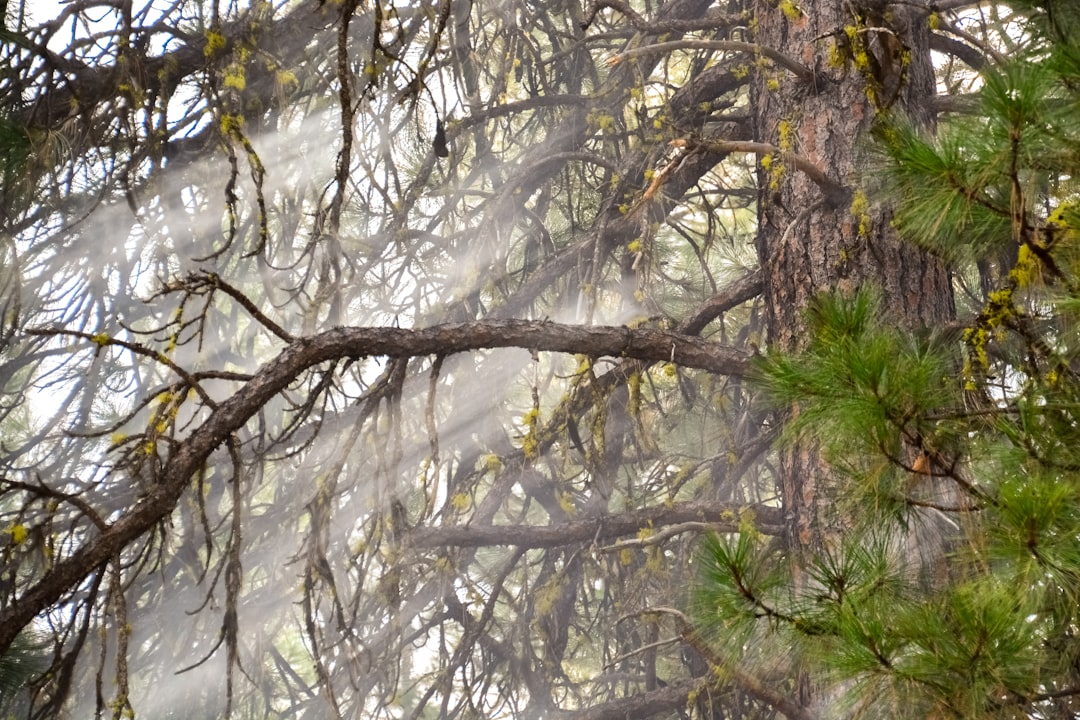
{"type": "Point", "coordinates": [866, 62]}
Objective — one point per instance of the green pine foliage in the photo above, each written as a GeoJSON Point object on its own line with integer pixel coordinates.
{"type": "Point", "coordinates": [24, 660]}
{"type": "Point", "coordinates": [952, 588]}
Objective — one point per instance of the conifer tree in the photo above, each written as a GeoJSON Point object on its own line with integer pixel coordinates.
{"type": "Point", "coordinates": [954, 590]}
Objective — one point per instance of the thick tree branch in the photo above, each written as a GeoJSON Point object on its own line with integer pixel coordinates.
{"type": "Point", "coordinates": [834, 191]}
{"type": "Point", "coordinates": [231, 414]}
{"type": "Point", "coordinates": [723, 517]}
{"type": "Point", "coordinates": [963, 104]}
{"type": "Point", "coordinates": [738, 292]}
{"type": "Point", "coordinates": [596, 341]}
{"type": "Point", "coordinates": [972, 57]}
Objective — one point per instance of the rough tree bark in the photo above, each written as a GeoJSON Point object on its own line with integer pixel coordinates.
{"type": "Point", "coordinates": [867, 61]}
{"type": "Point", "coordinates": [809, 243]}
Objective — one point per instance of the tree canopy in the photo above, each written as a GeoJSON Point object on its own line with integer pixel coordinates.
{"type": "Point", "coordinates": [364, 359]}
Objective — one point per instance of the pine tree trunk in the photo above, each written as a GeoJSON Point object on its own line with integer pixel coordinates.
{"type": "Point", "coordinates": [810, 242]}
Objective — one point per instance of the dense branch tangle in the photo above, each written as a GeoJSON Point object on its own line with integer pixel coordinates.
{"type": "Point", "coordinates": [229, 396]}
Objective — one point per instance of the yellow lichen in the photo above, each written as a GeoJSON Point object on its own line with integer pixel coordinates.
{"type": "Point", "coordinates": [776, 170]}
{"type": "Point", "coordinates": [235, 79]}
{"type": "Point", "coordinates": [231, 124]}
{"type": "Point", "coordinates": [786, 133]}
{"type": "Point", "coordinates": [1026, 267]}
{"type": "Point", "coordinates": [862, 60]}
{"type": "Point", "coordinates": [286, 79]}
{"type": "Point", "coordinates": [860, 210]}
{"type": "Point", "coordinates": [1057, 218]}
{"type": "Point", "coordinates": [566, 502]}
{"type": "Point", "coordinates": [214, 41]}
{"type": "Point", "coordinates": [838, 58]}
{"type": "Point", "coordinates": [976, 339]}
{"type": "Point", "coordinates": [654, 561]}
{"type": "Point", "coordinates": [530, 443]}
{"type": "Point", "coordinates": [546, 596]}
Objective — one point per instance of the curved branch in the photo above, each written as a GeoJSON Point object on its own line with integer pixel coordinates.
{"type": "Point", "coordinates": [231, 414]}
{"type": "Point", "coordinates": [747, 287]}
{"type": "Point", "coordinates": [546, 336]}
{"type": "Point", "coordinates": [970, 56]}
{"type": "Point", "coordinates": [190, 380]}
{"type": "Point", "coordinates": [834, 191]}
